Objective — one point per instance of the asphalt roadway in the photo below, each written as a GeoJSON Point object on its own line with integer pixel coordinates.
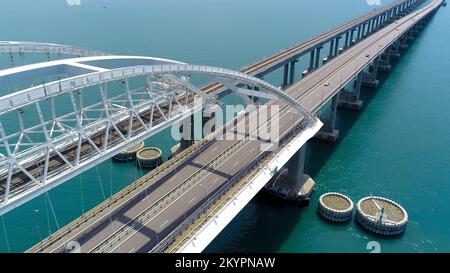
{"type": "Point", "coordinates": [110, 233]}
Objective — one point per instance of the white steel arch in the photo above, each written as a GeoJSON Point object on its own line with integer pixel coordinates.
{"type": "Point", "coordinates": [21, 47]}
{"type": "Point", "coordinates": [78, 140]}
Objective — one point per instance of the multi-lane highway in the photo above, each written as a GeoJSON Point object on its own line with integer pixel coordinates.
{"type": "Point", "coordinates": [142, 215]}
{"type": "Point", "coordinates": [21, 181]}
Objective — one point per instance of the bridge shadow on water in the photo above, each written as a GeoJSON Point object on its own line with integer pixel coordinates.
{"type": "Point", "coordinates": [266, 223]}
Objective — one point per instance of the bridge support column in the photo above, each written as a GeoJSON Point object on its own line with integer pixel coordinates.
{"type": "Point", "coordinates": [363, 31]}
{"type": "Point", "coordinates": [352, 42]}
{"type": "Point", "coordinates": [293, 184]}
{"type": "Point", "coordinates": [395, 51]}
{"type": "Point", "coordinates": [358, 37]}
{"type": "Point", "coordinates": [311, 60]}
{"type": "Point", "coordinates": [285, 75]}
{"type": "Point", "coordinates": [347, 37]}
{"type": "Point", "coordinates": [292, 72]}
{"type": "Point", "coordinates": [370, 79]}
{"type": "Point", "coordinates": [328, 132]}
{"type": "Point", "coordinates": [210, 118]}
{"type": "Point", "coordinates": [409, 35]}
{"type": "Point", "coordinates": [316, 65]}
{"type": "Point", "coordinates": [187, 133]}
{"type": "Point", "coordinates": [336, 47]}
{"type": "Point", "coordinates": [330, 55]}
{"type": "Point", "coordinates": [372, 25]}
{"type": "Point", "coordinates": [350, 99]}
{"type": "Point", "coordinates": [302, 184]}
{"type": "Point", "coordinates": [385, 60]}
{"type": "Point", "coordinates": [314, 59]}
{"type": "Point", "coordinates": [402, 42]}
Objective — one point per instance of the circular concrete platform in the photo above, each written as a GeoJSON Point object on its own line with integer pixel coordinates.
{"type": "Point", "coordinates": [149, 157]}
{"type": "Point", "coordinates": [130, 153]}
{"type": "Point", "coordinates": [335, 207]}
{"type": "Point", "coordinates": [381, 215]}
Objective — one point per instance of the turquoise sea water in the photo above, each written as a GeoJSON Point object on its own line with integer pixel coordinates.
{"type": "Point", "coordinates": [397, 146]}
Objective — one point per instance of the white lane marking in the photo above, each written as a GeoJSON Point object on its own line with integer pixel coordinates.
{"type": "Point", "coordinates": [171, 179]}
{"type": "Point", "coordinates": [165, 222]}
{"type": "Point", "coordinates": [131, 250]}
{"type": "Point", "coordinates": [215, 148]}
{"type": "Point", "coordinates": [190, 201]}
{"type": "Point", "coordinates": [215, 180]}
{"type": "Point", "coordinates": [235, 163]}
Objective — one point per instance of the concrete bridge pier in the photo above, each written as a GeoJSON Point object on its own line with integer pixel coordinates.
{"type": "Point", "coordinates": [352, 32]}
{"type": "Point", "coordinates": [209, 116]}
{"type": "Point", "coordinates": [416, 29]}
{"type": "Point", "coordinates": [347, 40]}
{"type": "Point", "coordinates": [350, 99]}
{"type": "Point", "coordinates": [395, 50]}
{"type": "Point", "coordinates": [409, 35]}
{"type": "Point", "coordinates": [372, 25]}
{"type": "Point", "coordinates": [330, 54]}
{"type": "Point", "coordinates": [317, 61]}
{"type": "Point", "coordinates": [187, 133]}
{"type": "Point", "coordinates": [385, 60]}
{"type": "Point", "coordinates": [301, 184]}
{"type": "Point", "coordinates": [363, 32]}
{"type": "Point", "coordinates": [314, 60]}
{"type": "Point", "coordinates": [336, 46]}
{"type": "Point", "coordinates": [292, 72]}
{"type": "Point", "coordinates": [370, 78]}
{"type": "Point", "coordinates": [328, 132]}
{"type": "Point", "coordinates": [292, 184]}
{"type": "Point", "coordinates": [196, 126]}
{"type": "Point", "coordinates": [358, 36]}
{"type": "Point", "coordinates": [403, 42]}
{"type": "Point", "coordinates": [288, 74]}
{"type": "Point", "coordinates": [285, 75]}
{"type": "Point", "coordinates": [311, 61]}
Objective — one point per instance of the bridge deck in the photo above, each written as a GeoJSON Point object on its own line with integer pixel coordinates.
{"type": "Point", "coordinates": [21, 182]}
{"type": "Point", "coordinates": [145, 216]}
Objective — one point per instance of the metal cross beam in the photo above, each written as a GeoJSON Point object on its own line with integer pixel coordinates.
{"type": "Point", "coordinates": [126, 105]}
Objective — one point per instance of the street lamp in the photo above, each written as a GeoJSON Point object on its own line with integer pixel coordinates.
{"type": "Point", "coordinates": [38, 230]}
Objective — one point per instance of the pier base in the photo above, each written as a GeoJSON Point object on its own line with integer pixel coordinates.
{"type": "Point", "coordinates": [395, 55]}
{"type": "Point", "coordinates": [187, 133]}
{"type": "Point", "coordinates": [384, 67]}
{"type": "Point", "coordinates": [292, 184]}
{"type": "Point", "coordinates": [283, 187]}
{"type": "Point", "coordinates": [371, 83]}
{"type": "Point", "coordinates": [355, 105]}
{"type": "Point", "coordinates": [305, 73]}
{"type": "Point", "coordinates": [370, 79]}
{"type": "Point", "coordinates": [328, 133]}
{"type": "Point", "coordinates": [328, 136]}
{"type": "Point", "coordinates": [350, 99]}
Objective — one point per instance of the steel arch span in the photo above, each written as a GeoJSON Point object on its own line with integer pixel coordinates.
{"type": "Point", "coordinates": [22, 47]}
{"type": "Point", "coordinates": [72, 124]}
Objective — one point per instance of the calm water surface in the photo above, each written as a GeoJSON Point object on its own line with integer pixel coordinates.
{"type": "Point", "coordinates": [397, 146]}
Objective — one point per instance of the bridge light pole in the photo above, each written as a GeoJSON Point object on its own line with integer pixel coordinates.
{"type": "Point", "coordinates": [206, 196]}
{"type": "Point", "coordinates": [38, 229]}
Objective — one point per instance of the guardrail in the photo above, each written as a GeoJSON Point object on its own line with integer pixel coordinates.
{"type": "Point", "coordinates": [140, 183]}
{"type": "Point", "coordinates": [190, 220]}
{"type": "Point", "coordinates": [94, 212]}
